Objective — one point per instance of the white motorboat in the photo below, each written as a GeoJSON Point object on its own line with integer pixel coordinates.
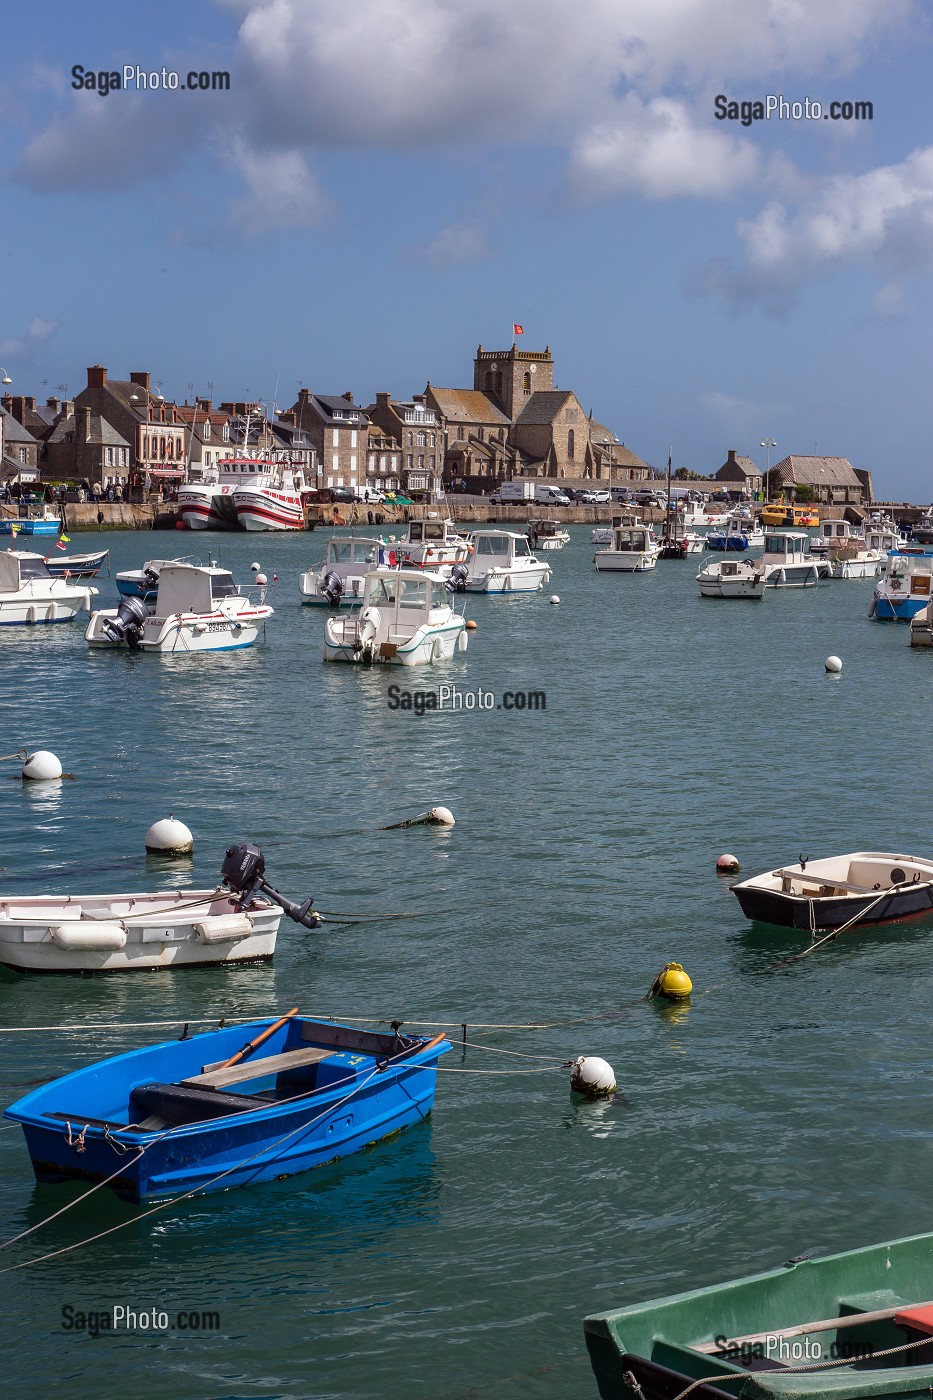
{"type": "Point", "coordinates": [904, 588]}
{"type": "Point", "coordinates": [406, 620]}
{"type": "Point", "coordinates": [30, 594]}
{"type": "Point", "coordinates": [787, 561]}
{"type": "Point", "coordinates": [501, 562]}
{"type": "Point", "coordinates": [196, 608]}
{"type": "Point", "coordinates": [847, 550]}
{"type": "Point", "coordinates": [339, 580]}
{"type": "Point", "coordinates": [740, 531]}
{"type": "Point", "coordinates": [732, 578]}
{"type": "Point", "coordinates": [633, 550]}
{"type": "Point", "coordinates": [235, 923]}
{"type": "Point", "coordinates": [546, 534]}
{"type": "Point", "coordinates": [429, 543]}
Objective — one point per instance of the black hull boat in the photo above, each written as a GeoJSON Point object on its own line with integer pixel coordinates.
{"type": "Point", "coordinates": [865, 887]}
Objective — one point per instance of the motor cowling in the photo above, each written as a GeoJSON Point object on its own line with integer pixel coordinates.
{"type": "Point", "coordinates": [456, 583]}
{"type": "Point", "coordinates": [128, 624]}
{"type": "Point", "coordinates": [332, 587]}
{"type": "Point", "coordinates": [243, 871]}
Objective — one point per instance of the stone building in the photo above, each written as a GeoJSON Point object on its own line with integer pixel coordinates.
{"type": "Point", "coordinates": [19, 452]}
{"type": "Point", "coordinates": [411, 435]}
{"type": "Point", "coordinates": [83, 446]}
{"type": "Point", "coordinates": [147, 425]}
{"type": "Point", "coordinates": [338, 430]}
{"type": "Point", "coordinates": [830, 480]}
{"type": "Point", "coordinates": [741, 472]}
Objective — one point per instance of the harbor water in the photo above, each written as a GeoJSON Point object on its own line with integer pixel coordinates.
{"type": "Point", "coordinates": [783, 1110]}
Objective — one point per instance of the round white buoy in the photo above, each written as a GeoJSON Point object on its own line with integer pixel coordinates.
{"type": "Point", "coordinates": [254, 567]}
{"type": "Point", "coordinates": [41, 767]}
{"type": "Point", "coordinates": [592, 1077]}
{"type": "Point", "coordinates": [441, 816]}
{"type": "Point", "coordinates": [261, 579]}
{"type": "Point", "coordinates": [554, 599]}
{"type": "Point", "coordinates": [727, 862]}
{"type": "Point", "coordinates": [169, 837]}
{"type": "Point", "coordinates": [833, 665]}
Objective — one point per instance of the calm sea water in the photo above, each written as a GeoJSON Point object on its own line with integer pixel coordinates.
{"type": "Point", "coordinates": [779, 1113]}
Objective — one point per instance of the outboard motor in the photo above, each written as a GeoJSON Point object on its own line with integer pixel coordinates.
{"type": "Point", "coordinates": [332, 587]}
{"type": "Point", "coordinates": [244, 870]}
{"type": "Point", "coordinates": [456, 583]}
{"type": "Point", "coordinates": [128, 624]}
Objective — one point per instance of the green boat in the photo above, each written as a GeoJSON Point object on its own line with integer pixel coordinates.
{"type": "Point", "coordinates": [770, 1336]}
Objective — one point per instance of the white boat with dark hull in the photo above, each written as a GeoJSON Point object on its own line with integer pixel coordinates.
{"type": "Point", "coordinates": [732, 578]}
{"type": "Point", "coordinates": [197, 608]}
{"type": "Point", "coordinates": [30, 595]}
{"type": "Point", "coordinates": [138, 932]}
{"type": "Point", "coordinates": [246, 493]}
{"type": "Point", "coordinates": [339, 580]}
{"type": "Point", "coordinates": [546, 534]}
{"type": "Point", "coordinates": [865, 887]}
{"type": "Point", "coordinates": [76, 565]}
{"type": "Point", "coordinates": [406, 620]}
{"type": "Point", "coordinates": [633, 550]}
{"type": "Point", "coordinates": [501, 562]}
{"type": "Point", "coordinates": [787, 562]}
{"type": "Point", "coordinates": [739, 532]}
{"type": "Point", "coordinates": [430, 543]}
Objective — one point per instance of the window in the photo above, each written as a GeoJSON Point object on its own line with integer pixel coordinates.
{"type": "Point", "coordinates": [335, 461]}
{"type": "Point", "coordinates": [570, 444]}
{"type": "Point", "coordinates": [336, 437]}
{"type": "Point", "coordinates": [460, 433]}
{"type": "Point", "coordinates": [431, 461]}
{"type": "Point", "coordinates": [207, 430]}
{"type": "Point", "coordinates": [411, 461]}
{"type": "Point", "coordinates": [226, 432]}
{"type": "Point", "coordinates": [22, 453]}
{"type": "Point", "coordinates": [108, 457]}
{"type": "Point", "coordinates": [479, 434]}
{"type": "Point", "coordinates": [353, 437]}
{"type": "Point", "coordinates": [422, 440]}
{"type": "Point", "coordinates": [526, 382]}
{"type": "Point", "coordinates": [430, 439]}
{"type": "Point", "coordinates": [411, 440]}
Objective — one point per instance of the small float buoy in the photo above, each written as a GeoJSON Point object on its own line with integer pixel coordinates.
{"type": "Point", "coordinates": [180, 525]}
{"type": "Point", "coordinates": [261, 579]}
{"type": "Point", "coordinates": [41, 767]}
{"type": "Point", "coordinates": [554, 599]}
{"type": "Point", "coordinates": [727, 863]}
{"type": "Point", "coordinates": [471, 626]}
{"type": "Point", "coordinates": [592, 1077]}
{"type": "Point", "coordinates": [438, 816]}
{"type": "Point", "coordinates": [671, 982]}
{"type": "Point", "coordinates": [169, 837]}
{"type": "Point", "coordinates": [833, 665]}
{"type": "Point", "coordinates": [254, 567]}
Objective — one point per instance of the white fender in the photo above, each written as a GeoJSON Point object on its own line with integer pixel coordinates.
{"type": "Point", "coordinates": [370, 619]}
{"type": "Point", "coordinates": [78, 938]}
{"type": "Point", "coordinates": [437, 650]}
{"type": "Point", "coordinates": [224, 928]}
{"type": "Point", "coordinates": [463, 641]}
{"type": "Point", "coordinates": [31, 614]}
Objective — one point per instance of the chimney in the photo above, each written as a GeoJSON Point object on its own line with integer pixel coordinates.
{"type": "Point", "coordinates": [53, 402]}
{"type": "Point", "coordinates": [30, 404]}
{"type": "Point", "coordinates": [84, 426]}
{"type": "Point", "coordinates": [16, 406]}
{"type": "Point", "coordinates": [382, 400]}
{"type": "Point", "coordinates": [348, 396]}
{"type": "Point", "coordinates": [140, 377]}
{"type": "Point", "coordinates": [289, 416]}
{"type": "Point", "coordinates": [203, 404]}
{"type": "Point", "coordinates": [96, 377]}
{"type": "Point", "coordinates": [731, 457]}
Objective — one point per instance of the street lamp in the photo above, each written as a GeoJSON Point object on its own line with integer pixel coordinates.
{"type": "Point", "coordinates": [768, 443]}
{"type": "Point", "coordinates": [6, 378]}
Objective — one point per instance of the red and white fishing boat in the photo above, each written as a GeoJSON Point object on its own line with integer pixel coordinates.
{"type": "Point", "coordinates": [246, 493]}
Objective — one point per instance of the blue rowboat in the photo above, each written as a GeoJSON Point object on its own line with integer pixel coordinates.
{"type": "Point", "coordinates": [177, 1117]}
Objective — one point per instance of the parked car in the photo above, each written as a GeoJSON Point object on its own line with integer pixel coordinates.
{"type": "Point", "coordinates": [599, 497]}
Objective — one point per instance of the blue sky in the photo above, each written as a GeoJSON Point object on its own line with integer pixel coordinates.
{"type": "Point", "coordinates": [388, 184]}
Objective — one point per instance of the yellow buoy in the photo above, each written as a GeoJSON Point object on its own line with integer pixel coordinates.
{"type": "Point", "coordinates": [672, 982]}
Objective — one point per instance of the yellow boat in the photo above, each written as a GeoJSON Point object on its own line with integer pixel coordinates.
{"type": "Point", "coordinates": [780, 513]}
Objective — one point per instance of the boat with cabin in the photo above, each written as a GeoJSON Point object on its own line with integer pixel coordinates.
{"type": "Point", "coordinates": [865, 887]}
{"type": "Point", "coordinates": [787, 561]}
{"type": "Point", "coordinates": [632, 550]}
{"type": "Point", "coordinates": [43, 520]}
{"type": "Point", "coordinates": [779, 513]}
{"type": "Point", "coordinates": [739, 533]}
{"type": "Point", "coordinates": [732, 578]}
{"type": "Point", "coordinates": [406, 619]}
{"type": "Point", "coordinates": [847, 550]}
{"type": "Point", "coordinates": [501, 562]}
{"type": "Point", "coordinates": [428, 544]}
{"type": "Point", "coordinates": [31, 595]}
{"type": "Point", "coordinates": [246, 493]}
{"type": "Point", "coordinates": [196, 608]}
{"type": "Point", "coordinates": [546, 534]}
{"type": "Point", "coordinates": [904, 586]}
{"type": "Point", "coordinates": [338, 581]}
{"type": "Point", "coordinates": [851, 1326]}
{"type": "Point", "coordinates": [208, 1112]}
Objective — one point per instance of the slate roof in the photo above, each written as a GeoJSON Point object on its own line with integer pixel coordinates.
{"type": "Point", "coordinates": [328, 405]}
{"type": "Point", "coordinates": [14, 431]}
{"type": "Point", "coordinates": [103, 434]}
{"type": "Point", "coordinates": [817, 471]}
{"type": "Point", "coordinates": [543, 406]}
{"type": "Point", "coordinates": [468, 406]}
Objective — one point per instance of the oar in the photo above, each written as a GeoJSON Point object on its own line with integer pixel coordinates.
{"type": "Point", "coordinates": [254, 1044]}
{"type": "Point", "coordinates": [825, 1325]}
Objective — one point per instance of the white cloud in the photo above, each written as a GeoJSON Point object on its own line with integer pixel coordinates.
{"type": "Point", "coordinates": [282, 192]}
{"type": "Point", "coordinates": [24, 347]}
{"type": "Point", "coordinates": [455, 245]}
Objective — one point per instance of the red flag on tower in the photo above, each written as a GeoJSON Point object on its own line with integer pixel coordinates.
{"type": "Point", "coordinates": [517, 329]}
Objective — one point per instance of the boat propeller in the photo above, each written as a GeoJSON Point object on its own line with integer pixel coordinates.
{"type": "Point", "coordinates": [127, 626]}
{"type": "Point", "coordinates": [244, 870]}
{"type": "Point", "coordinates": [332, 587]}
{"type": "Point", "coordinates": [456, 583]}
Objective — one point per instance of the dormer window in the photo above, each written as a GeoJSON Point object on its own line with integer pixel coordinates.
{"type": "Point", "coordinates": [207, 430]}
{"type": "Point", "coordinates": [226, 432]}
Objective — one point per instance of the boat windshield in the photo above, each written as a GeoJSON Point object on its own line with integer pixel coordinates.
{"type": "Point", "coordinates": [521, 548]}
{"type": "Point", "coordinates": [439, 596]}
{"type": "Point", "coordinates": [493, 546]}
{"type": "Point", "coordinates": [33, 568]}
{"type": "Point", "coordinates": [222, 586]}
{"type": "Point", "coordinates": [407, 592]}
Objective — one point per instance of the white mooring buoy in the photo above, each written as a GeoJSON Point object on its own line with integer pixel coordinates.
{"type": "Point", "coordinates": [41, 767]}
{"type": "Point", "coordinates": [261, 579]}
{"type": "Point", "coordinates": [169, 837]}
{"type": "Point", "coordinates": [254, 567]}
{"type": "Point", "coordinates": [554, 599]}
{"type": "Point", "coordinates": [438, 816]}
{"type": "Point", "coordinates": [592, 1077]}
{"type": "Point", "coordinates": [727, 863]}
{"type": "Point", "coordinates": [833, 665]}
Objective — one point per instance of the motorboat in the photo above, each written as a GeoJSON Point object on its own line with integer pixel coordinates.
{"type": "Point", "coordinates": [633, 549]}
{"type": "Point", "coordinates": [339, 580]}
{"type": "Point", "coordinates": [429, 543]}
{"type": "Point", "coordinates": [196, 608]}
{"type": "Point", "coordinates": [698, 515]}
{"type": "Point", "coordinates": [739, 533]}
{"type": "Point", "coordinates": [821, 1328]}
{"type": "Point", "coordinates": [208, 1112]}
{"type": "Point", "coordinates": [922, 531]}
{"type": "Point", "coordinates": [848, 551]}
{"type": "Point", "coordinates": [501, 562]}
{"type": "Point", "coordinates": [234, 923]}
{"type": "Point", "coordinates": [77, 565]}
{"type": "Point", "coordinates": [31, 595]}
{"type": "Point", "coordinates": [866, 887]}
{"type": "Point", "coordinates": [44, 520]}
{"type": "Point", "coordinates": [144, 582]}
{"type": "Point", "coordinates": [732, 578]}
{"type": "Point", "coordinates": [406, 619]}
{"type": "Point", "coordinates": [787, 562]}
{"type": "Point", "coordinates": [921, 627]}
{"type": "Point", "coordinates": [546, 534]}
{"type": "Point", "coordinates": [783, 513]}
{"type": "Point", "coordinates": [904, 586]}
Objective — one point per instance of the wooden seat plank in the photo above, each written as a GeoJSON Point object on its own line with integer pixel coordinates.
{"type": "Point", "coordinates": [256, 1069]}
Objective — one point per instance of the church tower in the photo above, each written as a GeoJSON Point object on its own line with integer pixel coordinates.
{"type": "Point", "coordinates": [510, 377]}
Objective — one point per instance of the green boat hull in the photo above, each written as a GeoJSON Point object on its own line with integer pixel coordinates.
{"type": "Point", "coordinates": [646, 1351]}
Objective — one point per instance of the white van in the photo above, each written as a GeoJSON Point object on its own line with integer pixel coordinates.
{"type": "Point", "coordinates": [513, 491]}
{"type": "Point", "coordinates": [550, 496]}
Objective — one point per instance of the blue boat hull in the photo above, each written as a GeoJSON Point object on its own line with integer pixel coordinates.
{"type": "Point", "coordinates": [901, 611]}
{"type": "Point", "coordinates": [91, 1125]}
{"type": "Point", "coordinates": [31, 527]}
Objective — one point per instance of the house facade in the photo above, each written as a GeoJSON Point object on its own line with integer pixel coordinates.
{"type": "Point", "coordinates": [742, 472]}
{"type": "Point", "coordinates": [830, 480]}
{"type": "Point", "coordinates": [338, 430]}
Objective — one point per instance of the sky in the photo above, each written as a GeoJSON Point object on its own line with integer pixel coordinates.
{"type": "Point", "coordinates": [389, 183]}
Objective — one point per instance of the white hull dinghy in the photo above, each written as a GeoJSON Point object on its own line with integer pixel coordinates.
{"type": "Point", "coordinates": [235, 923]}
{"type": "Point", "coordinates": [865, 887]}
{"type": "Point", "coordinates": [30, 595]}
{"type": "Point", "coordinates": [732, 578]}
{"type": "Point", "coordinates": [338, 581]}
{"type": "Point", "coordinates": [196, 609]}
{"type": "Point", "coordinates": [501, 562]}
{"type": "Point", "coordinates": [406, 620]}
